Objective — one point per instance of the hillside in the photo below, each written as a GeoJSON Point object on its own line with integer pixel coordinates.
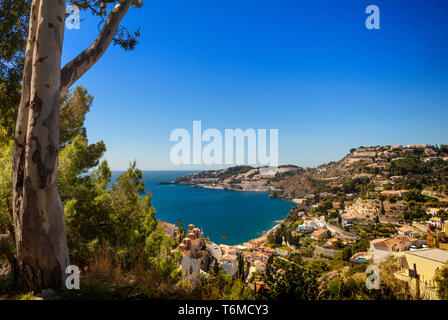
{"type": "Point", "coordinates": [422, 166]}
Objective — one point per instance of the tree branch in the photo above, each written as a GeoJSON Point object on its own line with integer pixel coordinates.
{"type": "Point", "coordinates": [76, 68]}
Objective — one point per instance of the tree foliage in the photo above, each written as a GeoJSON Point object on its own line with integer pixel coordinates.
{"type": "Point", "coordinates": [14, 15]}
{"type": "Point", "coordinates": [441, 279]}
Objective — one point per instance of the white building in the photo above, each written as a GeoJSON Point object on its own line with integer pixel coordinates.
{"type": "Point", "coordinates": [190, 269]}
{"type": "Point", "coordinates": [229, 263]}
{"type": "Point", "coordinates": [310, 225]}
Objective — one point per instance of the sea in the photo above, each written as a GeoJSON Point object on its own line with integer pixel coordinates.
{"type": "Point", "coordinates": [228, 217]}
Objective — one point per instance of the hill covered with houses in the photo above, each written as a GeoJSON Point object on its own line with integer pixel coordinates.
{"type": "Point", "coordinates": [384, 205]}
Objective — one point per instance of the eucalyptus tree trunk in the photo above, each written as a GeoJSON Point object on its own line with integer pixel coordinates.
{"type": "Point", "coordinates": [39, 224]}
{"type": "Point", "coordinates": [41, 242]}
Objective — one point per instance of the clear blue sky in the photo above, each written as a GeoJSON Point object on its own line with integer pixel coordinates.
{"type": "Point", "coordinates": [308, 68]}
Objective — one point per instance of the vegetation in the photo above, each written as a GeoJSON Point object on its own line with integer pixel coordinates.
{"type": "Point", "coordinates": [111, 228]}
{"type": "Point", "coordinates": [442, 283]}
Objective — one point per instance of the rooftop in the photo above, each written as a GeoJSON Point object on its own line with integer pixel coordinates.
{"type": "Point", "coordinates": [229, 257]}
{"type": "Point", "coordinates": [166, 224]}
{"type": "Point", "coordinates": [347, 216]}
{"type": "Point", "coordinates": [432, 253]}
{"type": "Point", "coordinates": [319, 232]}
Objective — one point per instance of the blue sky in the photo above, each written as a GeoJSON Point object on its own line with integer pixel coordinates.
{"type": "Point", "coordinates": [309, 68]}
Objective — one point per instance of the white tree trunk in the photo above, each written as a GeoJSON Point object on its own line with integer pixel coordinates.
{"type": "Point", "coordinates": [39, 224]}
{"type": "Point", "coordinates": [41, 242]}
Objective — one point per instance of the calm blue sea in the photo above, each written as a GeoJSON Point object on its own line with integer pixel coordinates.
{"type": "Point", "coordinates": [240, 216]}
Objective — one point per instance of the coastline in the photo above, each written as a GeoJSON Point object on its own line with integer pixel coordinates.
{"type": "Point", "coordinates": [264, 237]}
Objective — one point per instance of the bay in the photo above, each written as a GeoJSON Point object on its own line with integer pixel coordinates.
{"type": "Point", "coordinates": [236, 215]}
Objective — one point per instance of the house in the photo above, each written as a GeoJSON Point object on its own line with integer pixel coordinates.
{"type": "Point", "coordinates": [258, 256]}
{"type": "Point", "coordinates": [170, 229]}
{"type": "Point", "coordinates": [388, 154]}
{"type": "Point", "coordinates": [417, 146]}
{"type": "Point", "coordinates": [310, 225]}
{"type": "Point", "coordinates": [260, 266]}
{"type": "Point", "coordinates": [382, 248]}
{"type": "Point", "coordinates": [363, 175]}
{"type": "Point", "coordinates": [319, 234]}
{"type": "Point", "coordinates": [229, 263]}
{"type": "Point", "coordinates": [432, 211]}
{"type": "Point", "coordinates": [306, 226]}
{"type": "Point", "coordinates": [347, 220]}
{"type": "Point", "coordinates": [422, 265]}
{"type": "Point", "coordinates": [431, 152]}
{"type": "Point", "coordinates": [429, 159]}
{"type": "Point", "coordinates": [193, 243]}
{"type": "Point", "coordinates": [382, 182]}
{"type": "Point", "coordinates": [408, 231]}
{"type": "Point", "coordinates": [281, 252]}
{"type": "Point", "coordinates": [442, 236]}
{"type": "Point", "coordinates": [190, 268]}
{"type": "Point", "coordinates": [436, 222]}
{"type": "Point", "coordinates": [327, 194]}
{"type": "Point", "coordinates": [394, 193]}
{"type": "Point", "coordinates": [233, 250]}
{"type": "Point", "coordinates": [267, 250]}
{"type": "Point", "coordinates": [408, 151]}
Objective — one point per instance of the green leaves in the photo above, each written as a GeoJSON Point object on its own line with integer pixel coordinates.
{"type": "Point", "coordinates": [74, 106]}
{"type": "Point", "coordinates": [14, 16]}
{"type": "Point", "coordinates": [441, 279]}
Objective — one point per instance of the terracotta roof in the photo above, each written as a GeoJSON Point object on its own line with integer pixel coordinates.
{"type": "Point", "coordinates": [260, 284]}
{"type": "Point", "coordinates": [397, 243]}
{"type": "Point", "coordinates": [319, 232]}
{"type": "Point", "coordinates": [166, 224]}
